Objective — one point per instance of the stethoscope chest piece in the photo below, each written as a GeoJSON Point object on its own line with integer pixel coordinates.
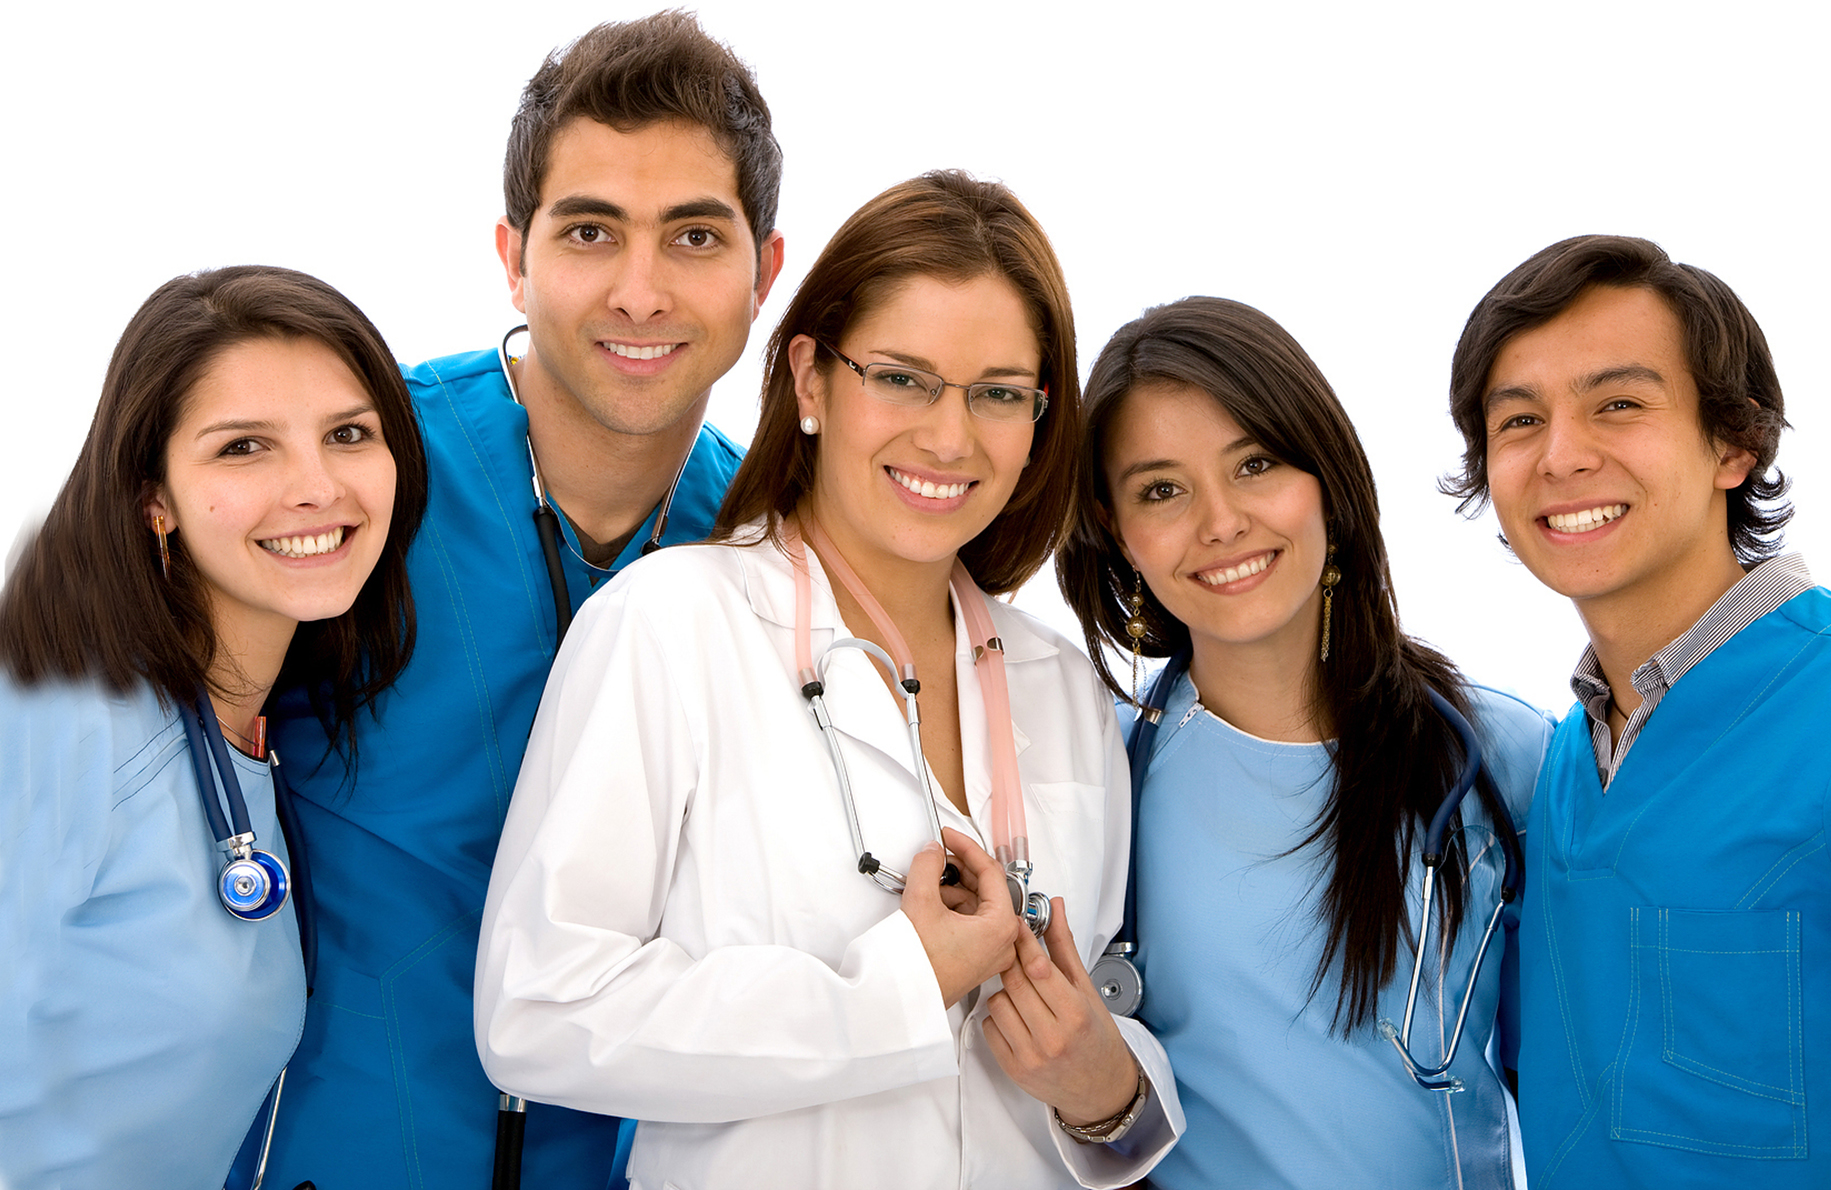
{"type": "Point", "coordinates": [253, 886]}
{"type": "Point", "coordinates": [1118, 980]}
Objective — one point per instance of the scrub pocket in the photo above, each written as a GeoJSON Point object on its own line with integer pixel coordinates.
{"type": "Point", "coordinates": [1711, 1056]}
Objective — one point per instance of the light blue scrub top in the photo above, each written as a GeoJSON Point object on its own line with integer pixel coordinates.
{"type": "Point", "coordinates": [1229, 942]}
{"type": "Point", "coordinates": [1676, 937]}
{"type": "Point", "coordinates": [387, 1090]}
{"type": "Point", "coordinates": [140, 1024]}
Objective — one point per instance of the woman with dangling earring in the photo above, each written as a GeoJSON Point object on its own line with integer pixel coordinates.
{"type": "Point", "coordinates": [1228, 521]}
{"type": "Point", "coordinates": [238, 517]}
{"type": "Point", "coordinates": [719, 904]}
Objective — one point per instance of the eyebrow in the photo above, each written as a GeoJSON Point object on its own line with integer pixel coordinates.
{"type": "Point", "coordinates": [927, 365]}
{"type": "Point", "coordinates": [255, 425]}
{"type": "Point", "coordinates": [574, 205]}
{"type": "Point", "coordinates": [1601, 378]}
{"type": "Point", "coordinates": [1139, 468]}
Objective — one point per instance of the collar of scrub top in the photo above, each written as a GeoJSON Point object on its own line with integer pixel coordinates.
{"type": "Point", "coordinates": [546, 520]}
{"type": "Point", "coordinates": [1010, 834]}
{"type": "Point", "coordinates": [1118, 979]}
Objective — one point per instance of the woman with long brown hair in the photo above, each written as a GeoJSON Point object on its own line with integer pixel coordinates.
{"type": "Point", "coordinates": [1228, 521]}
{"type": "Point", "coordinates": [718, 904]}
{"type": "Point", "coordinates": [237, 518]}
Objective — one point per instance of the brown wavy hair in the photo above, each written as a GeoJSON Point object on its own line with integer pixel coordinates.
{"type": "Point", "coordinates": [87, 599]}
{"type": "Point", "coordinates": [954, 227]}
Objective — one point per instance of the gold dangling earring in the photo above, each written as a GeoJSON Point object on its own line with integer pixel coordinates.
{"type": "Point", "coordinates": [165, 554]}
{"type": "Point", "coordinates": [1331, 574]}
{"type": "Point", "coordinates": [1135, 628]}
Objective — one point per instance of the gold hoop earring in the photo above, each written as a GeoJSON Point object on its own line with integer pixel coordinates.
{"type": "Point", "coordinates": [1135, 628]}
{"type": "Point", "coordinates": [165, 554]}
{"type": "Point", "coordinates": [1331, 574]}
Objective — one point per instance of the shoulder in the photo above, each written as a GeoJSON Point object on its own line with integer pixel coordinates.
{"type": "Point", "coordinates": [452, 371]}
{"type": "Point", "coordinates": [1514, 736]}
{"type": "Point", "coordinates": [67, 742]}
{"type": "Point", "coordinates": [714, 451]}
{"type": "Point", "coordinates": [1810, 610]}
{"type": "Point", "coordinates": [675, 585]}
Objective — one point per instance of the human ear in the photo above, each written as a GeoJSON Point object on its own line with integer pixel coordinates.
{"type": "Point", "coordinates": [810, 385]}
{"type": "Point", "coordinates": [769, 267]}
{"type": "Point", "coordinates": [510, 246]}
{"type": "Point", "coordinates": [153, 503]}
{"type": "Point", "coordinates": [1733, 465]}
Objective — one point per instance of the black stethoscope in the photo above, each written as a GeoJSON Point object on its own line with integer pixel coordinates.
{"type": "Point", "coordinates": [253, 884]}
{"type": "Point", "coordinates": [511, 1110]}
{"type": "Point", "coordinates": [1121, 984]}
{"type": "Point", "coordinates": [546, 519]}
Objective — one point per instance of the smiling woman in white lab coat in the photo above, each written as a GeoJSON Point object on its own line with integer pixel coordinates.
{"type": "Point", "coordinates": [678, 928]}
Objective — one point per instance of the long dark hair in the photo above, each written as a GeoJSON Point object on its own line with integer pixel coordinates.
{"type": "Point", "coordinates": [88, 599]}
{"type": "Point", "coordinates": [951, 226]}
{"type": "Point", "coordinates": [1393, 754]}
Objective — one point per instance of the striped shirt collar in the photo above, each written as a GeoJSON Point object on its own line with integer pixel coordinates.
{"type": "Point", "coordinates": [1758, 592]}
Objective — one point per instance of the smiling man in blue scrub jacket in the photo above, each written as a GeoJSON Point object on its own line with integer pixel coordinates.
{"type": "Point", "coordinates": [641, 187]}
{"type": "Point", "coordinates": [1622, 413]}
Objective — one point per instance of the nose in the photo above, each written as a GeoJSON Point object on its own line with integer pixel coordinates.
{"type": "Point", "coordinates": [1222, 517]}
{"type": "Point", "coordinates": [947, 430]}
{"type": "Point", "coordinates": [638, 287]}
{"type": "Point", "coordinates": [1569, 448]}
{"type": "Point", "coordinates": [312, 481]}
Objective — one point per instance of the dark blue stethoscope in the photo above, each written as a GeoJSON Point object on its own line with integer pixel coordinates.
{"type": "Point", "coordinates": [253, 884]}
{"type": "Point", "coordinates": [1121, 984]}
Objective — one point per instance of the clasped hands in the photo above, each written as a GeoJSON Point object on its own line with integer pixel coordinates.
{"type": "Point", "coordinates": [1047, 1027]}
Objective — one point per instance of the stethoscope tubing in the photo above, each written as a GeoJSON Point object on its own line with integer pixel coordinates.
{"type": "Point", "coordinates": [1138, 753]}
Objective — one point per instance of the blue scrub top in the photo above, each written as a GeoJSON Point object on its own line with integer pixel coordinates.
{"type": "Point", "coordinates": [1229, 943]}
{"type": "Point", "coordinates": [386, 1090]}
{"type": "Point", "coordinates": [140, 1023]}
{"type": "Point", "coordinates": [1676, 936]}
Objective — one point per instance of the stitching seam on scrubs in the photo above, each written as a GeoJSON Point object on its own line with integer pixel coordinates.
{"type": "Point", "coordinates": [1631, 1025]}
{"type": "Point", "coordinates": [1779, 869]}
{"type": "Point", "coordinates": [396, 1055]}
{"type": "Point", "coordinates": [1563, 989]}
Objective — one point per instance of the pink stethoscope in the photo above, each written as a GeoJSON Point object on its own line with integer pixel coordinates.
{"type": "Point", "coordinates": [1010, 836]}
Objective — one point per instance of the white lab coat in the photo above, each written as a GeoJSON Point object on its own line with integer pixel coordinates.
{"type": "Point", "coordinates": [676, 931]}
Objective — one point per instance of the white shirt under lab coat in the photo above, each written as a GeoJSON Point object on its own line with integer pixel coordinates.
{"type": "Point", "coordinates": [677, 932]}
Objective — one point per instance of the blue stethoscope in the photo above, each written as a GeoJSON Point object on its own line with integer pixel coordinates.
{"type": "Point", "coordinates": [253, 884]}
{"type": "Point", "coordinates": [1120, 982]}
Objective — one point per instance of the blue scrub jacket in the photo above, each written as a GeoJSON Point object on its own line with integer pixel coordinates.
{"type": "Point", "coordinates": [1676, 937]}
{"type": "Point", "coordinates": [386, 1089]}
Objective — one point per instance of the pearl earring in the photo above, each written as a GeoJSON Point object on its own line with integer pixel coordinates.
{"type": "Point", "coordinates": [810, 425]}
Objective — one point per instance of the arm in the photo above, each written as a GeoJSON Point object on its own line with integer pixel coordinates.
{"type": "Point", "coordinates": [607, 976]}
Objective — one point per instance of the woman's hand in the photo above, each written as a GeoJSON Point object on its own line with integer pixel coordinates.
{"type": "Point", "coordinates": [968, 937]}
{"type": "Point", "coordinates": [1053, 1035]}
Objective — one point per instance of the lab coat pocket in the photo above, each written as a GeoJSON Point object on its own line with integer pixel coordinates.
{"type": "Point", "coordinates": [1711, 1056]}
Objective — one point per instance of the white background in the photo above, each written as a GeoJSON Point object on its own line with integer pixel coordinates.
{"type": "Point", "coordinates": [1361, 172]}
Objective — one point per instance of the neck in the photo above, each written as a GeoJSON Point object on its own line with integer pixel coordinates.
{"type": "Point", "coordinates": [608, 482]}
{"type": "Point", "coordinates": [247, 663]}
{"type": "Point", "coordinates": [1626, 632]}
{"type": "Point", "coordinates": [1263, 688]}
{"type": "Point", "coordinates": [913, 594]}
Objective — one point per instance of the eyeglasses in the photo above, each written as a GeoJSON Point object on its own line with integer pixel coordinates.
{"type": "Point", "coordinates": [991, 399]}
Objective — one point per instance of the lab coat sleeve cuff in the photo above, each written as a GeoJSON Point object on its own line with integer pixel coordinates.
{"type": "Point", "coordinates": [1108, 1167]}
{"type": "Point", "coordinates": [895, 943]}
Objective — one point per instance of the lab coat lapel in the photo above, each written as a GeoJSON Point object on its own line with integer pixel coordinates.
{"type": "Point", "coordinates": [860, 705]}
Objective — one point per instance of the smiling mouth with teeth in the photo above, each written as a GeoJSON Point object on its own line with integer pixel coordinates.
{"type": "Point", "coordinates": [630, 351]}
{"type": "Point", "coordinates": [1585, 521]}
{"type": "Point", "coordinates": [306, 546]}
{"type": "Point", "coordinates": [931, 491]}
{"type": "Point", "coordinates": [1233, 574]}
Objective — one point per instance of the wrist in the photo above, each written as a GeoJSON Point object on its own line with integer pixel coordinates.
{"type": "Point", "coordinates": [1108, 1128]}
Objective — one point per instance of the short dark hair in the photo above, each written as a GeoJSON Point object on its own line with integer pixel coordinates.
{"type": "Point", "coordinates": [88, 599]}
{"type": "Point", "coordinates": [1739, 400]}
{"type": "Point", "coordinates": [954, 227]}
{"type": "Point", "coordinates": [1392, 755]}
{"type": "Point", "coordinates": [631, 74]}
